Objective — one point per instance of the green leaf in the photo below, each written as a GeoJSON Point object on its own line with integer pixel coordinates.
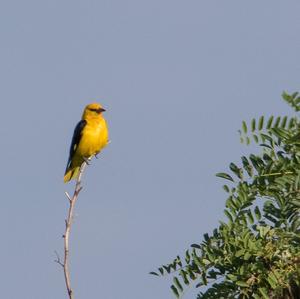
{"type": "Point", "coordinates": [255, 138]}
{"type": "Point", "coordinates": [177, 284]}
{"type": "Point", "coordinates": [277, 122]}
{"type": "Point", "coordinates": [294, 95]}
{"type": "Point", "coordinates": [269, 123]}
{"type": "Point", "coordinates": [247, 256]}
{"type": "Point", "coordinates": [260, 123]}
{"type": "Point", "coordinates": [226, 188]}
{"type": "Point", "coordinates": [229, 216]}
{"type": "Point", "coordinates": [281, 133]}
{"type": "Point", "coordinates": [232, 277]}
{"type": "Point", "coordinates": [206, 261]}
{"type": "Point", "coordinates": [286, 96]}
{"type": "Point", "coordinates": [178, 260]}
{"type": "Point", "coordinates": [206, 237]}
{"type": "Point", "coordinates": [236, 170]}
{"type": "Point", "coordinates": [199, 263]}
{"type": "Point", "coordinates": [253, 125]}
{"type": "Point", "coordinates": [212, 274]}
{"type": "Point", "coordinates": [283, 122]}
{"type": "Point", "coordinates": [272, 280]}
{"type": "Point", "coordinates": [291, 123]}
{"type": "Point", "coordinates": [174, 290]}
{"type": "Point", "coordinates": [295, 225]}
{"type": "Point", "coordinates": [183, 274]}
{"type": "Point", "coordinates": [187, 257]}
{"type": "Point", "coordinates": [296, 203]}
{"type": "Point", "coordinates": [242, 283]}
{"type": "Point", "coordinates": [240, 253]}
{"type": "Point", "coordinates": [224, 175]}
{"type": "Point", "coordinates": [263, 230]}
{"type": "Point", "coordinates": [266, 137]}
{"type": "Point", "coordinates": [154, 273]}
{"type": "Point", "coordinates": [197, 246]}
{"type": "Point", "coordinates": [191, 274]}
{"type": "Point", "coordinates": [247, 140]}
{"type": "Point", "coordinates": [204, 279]}
{"type": "Point", "coordinates": [244, 126]}
{"type": "Point", "coordinates": [250, 216]}
{"type": "Point", "coordinates": [257, 213]}
{"type": "Point", "coordinates": [264, 293]}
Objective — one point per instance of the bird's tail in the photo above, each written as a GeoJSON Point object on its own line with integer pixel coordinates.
{"type": "Point", "coordinates": [71, 173]}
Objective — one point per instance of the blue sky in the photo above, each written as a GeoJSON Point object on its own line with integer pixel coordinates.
{"type": "Point", "coordinates": [177, 78]}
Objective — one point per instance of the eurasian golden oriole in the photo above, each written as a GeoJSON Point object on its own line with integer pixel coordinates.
{"type": "Point", "coordinates": [89, 138]}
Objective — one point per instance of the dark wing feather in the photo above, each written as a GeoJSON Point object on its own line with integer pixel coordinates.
{"type": "Point", "coordinates": [75, 140]}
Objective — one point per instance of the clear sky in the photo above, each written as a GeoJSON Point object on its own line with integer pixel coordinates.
{"type": "Point", "coordinates": [177, 78]}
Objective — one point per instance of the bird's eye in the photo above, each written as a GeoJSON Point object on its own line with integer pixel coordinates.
{"type": "Point", "coordinates": [99, 110]}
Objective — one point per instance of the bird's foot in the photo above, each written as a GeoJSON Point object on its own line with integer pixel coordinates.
{"type": "Point", "coordinates": [87, 160]}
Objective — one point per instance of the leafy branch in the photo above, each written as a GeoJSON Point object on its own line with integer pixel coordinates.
{"type": "Point", "coordinates": [255, 252]}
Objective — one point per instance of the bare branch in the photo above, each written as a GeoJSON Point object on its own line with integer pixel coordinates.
{"type": "Point", "coordinates": [66, 235]}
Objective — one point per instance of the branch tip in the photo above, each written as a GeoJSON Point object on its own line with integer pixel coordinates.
{"type": "Point", "coordinates": [68, 196]}
{"type": "Point", "coordinates": [58, 261]}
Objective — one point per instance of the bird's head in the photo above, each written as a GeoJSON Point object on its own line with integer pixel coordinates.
{"type": "Point", "coordinates": [93, 110]}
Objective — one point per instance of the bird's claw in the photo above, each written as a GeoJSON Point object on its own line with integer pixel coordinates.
{"type": "Point", "coordinates": [87, 160]}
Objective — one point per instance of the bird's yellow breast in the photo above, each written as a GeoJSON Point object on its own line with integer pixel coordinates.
{"type": "Point", "coordinates": [94, 138]}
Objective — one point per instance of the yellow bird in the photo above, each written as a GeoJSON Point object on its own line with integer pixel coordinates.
{"type": "Point", "coordinates": [89, 138]}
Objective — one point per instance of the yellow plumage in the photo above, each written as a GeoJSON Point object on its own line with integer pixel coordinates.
{"type": "Point", "coordinates": [89, 138]}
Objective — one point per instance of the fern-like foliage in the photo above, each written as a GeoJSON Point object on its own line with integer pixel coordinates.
{"type": "Point", "coordinates": [256, 252]}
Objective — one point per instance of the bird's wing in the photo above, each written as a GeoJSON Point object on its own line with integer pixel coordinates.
{"type": "Point", "coordinates": [75, 140]}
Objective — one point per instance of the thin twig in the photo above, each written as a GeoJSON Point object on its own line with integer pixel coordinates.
{"type": "Point", "coordinates": [72, 200]}
{"type": "Point", "coordinates": [58, 260]}
{"type": "Point", "coordinates": [67, 194]}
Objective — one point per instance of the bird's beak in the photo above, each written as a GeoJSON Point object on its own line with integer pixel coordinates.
{"type": "Point", "coordinates": [101, 110]}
